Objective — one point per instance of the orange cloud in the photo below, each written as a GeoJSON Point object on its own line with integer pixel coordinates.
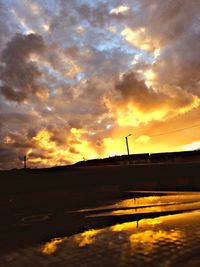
{"type": "Point", "coordinates": [50, 153]}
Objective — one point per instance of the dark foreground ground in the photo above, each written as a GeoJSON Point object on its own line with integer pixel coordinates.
{"type": "Point", "coordinates": [69, 207]}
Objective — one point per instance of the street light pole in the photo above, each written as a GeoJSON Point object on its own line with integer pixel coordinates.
{"type": "Point", "coordinates": [25, 162]}
{"type": "Point", "coordinates": [127, 144]}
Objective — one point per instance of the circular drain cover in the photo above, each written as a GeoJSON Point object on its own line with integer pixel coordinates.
{"type": "Point", "coordinates": [36, 218]}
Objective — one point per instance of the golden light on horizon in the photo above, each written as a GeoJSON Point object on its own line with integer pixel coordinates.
{"type": "Point", "coordinates": [96, 79]}
{"type": "Point", "coordinates": [130, 115]}
{"type": "Point", "coordinates": [75, 149]}
{"type": "Point", "coordinates": [78, 147]}
{"type": "Point", "coordinates": [192, 146]}
{"type": "Point", "coordinates": [143, 139]}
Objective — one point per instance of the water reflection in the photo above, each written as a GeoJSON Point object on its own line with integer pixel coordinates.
{"type": "Point", "coordinates": [162, 241]}
{"type": "Point", "coordinates": [169, 202]}
{"type": "Point", "coordinates": [156, 208]}
{"type": "Point", "coordinates": [82, 240]}
{"type": "Point", "coordinates": [51, 246]}
{"type": "Point", "coordinates": [87, 237]}
{"type": "Point", "coordinates": [170, 240]}
{"type": "Point", "coordinates": [149, 240]}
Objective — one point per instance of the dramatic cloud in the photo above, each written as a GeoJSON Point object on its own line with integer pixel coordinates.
{"type": "Point", "coordinates": [78, 76]}
{"type": "Point", "coordinates": [18, 74]}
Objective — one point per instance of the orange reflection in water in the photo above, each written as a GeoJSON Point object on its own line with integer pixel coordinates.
{"type": "Point", "coordinates": [148, 240]}
{"type": "Point", "coordinates": [83, 239]}
{"type": "Point", "coordinates": [144, 240]}
{"type": "Point", "coordinates": [87, 237]}
{"type": "Point", "coordinates": [130, 226]}
{"type": "Point", "coordinates": [51, 246]}
{"type": "Point", "coordinates": [151, 204]}
{"type": "Point", "coordinates": [169, 198]}
{"type": "Point", "coordinates": [164, 239]}
{"type": "Point", "coordinates": [150, 234]}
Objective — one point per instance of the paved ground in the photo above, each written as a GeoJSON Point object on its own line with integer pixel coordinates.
{"type": "Point", "coordinates": [144, 229]}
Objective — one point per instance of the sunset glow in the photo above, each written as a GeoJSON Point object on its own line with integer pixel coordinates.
{"type": "Point", "coordinates": [76, 77]}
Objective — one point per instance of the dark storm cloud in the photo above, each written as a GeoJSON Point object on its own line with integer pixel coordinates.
{"type": "Point", "coordinates": [134, 90]}
{"type": "Point", "coordinates": [131, 87]}
{"type": "Point", "coordinates": [17, 118]}
{"type": "Point", "coordinates": [13, 95]}
{"type": "Point", "coordinates": [18, 74]}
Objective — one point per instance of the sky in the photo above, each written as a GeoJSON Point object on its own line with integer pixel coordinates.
{"type": "Point", "coordinates": [78, 76]}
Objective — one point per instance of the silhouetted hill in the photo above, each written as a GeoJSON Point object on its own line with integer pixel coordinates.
{"type": "Point", "coordinates": [183, 156]}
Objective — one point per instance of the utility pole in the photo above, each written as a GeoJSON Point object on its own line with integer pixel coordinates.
{"type": "Point", "coordinates": [24, 162]}
{"type": "Point", "coordinates": [127, 144]}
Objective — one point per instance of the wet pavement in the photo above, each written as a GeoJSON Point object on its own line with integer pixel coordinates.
{"type": "Point", "coordinates": [145, 229]}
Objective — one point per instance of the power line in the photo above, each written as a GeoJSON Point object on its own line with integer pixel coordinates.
{"type": "Point", "coordinates": [174, 131]}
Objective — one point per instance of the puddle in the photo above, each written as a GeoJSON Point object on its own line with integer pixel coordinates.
{"type": "Point", "coordinates": [170, 238]}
